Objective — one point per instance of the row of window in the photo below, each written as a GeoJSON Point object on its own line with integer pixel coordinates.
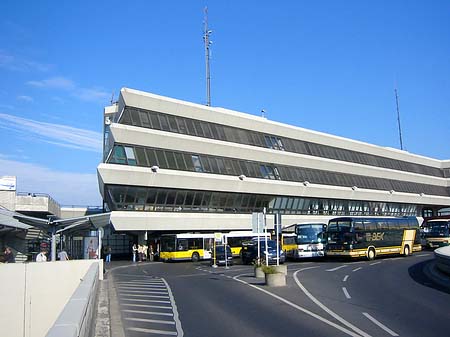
{"type": "Point", "coordinates": [148, 157]}
{"type": "Point", "coordinates": [135, 155]}
{"type": "Point", "coordinates": [170, 200]}
{"type": "Point", "coordinates": [193, 127]}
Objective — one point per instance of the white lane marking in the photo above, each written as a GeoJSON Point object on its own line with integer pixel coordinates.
{"type": "Point", "coordinates": [421, 255]}
{"type": "Point", "coordinates": [149, 320]}
{"type": "Point", "coordinates": [141, 300]}
{"type": "Point", "coordinates": [359, 268]}
{"type": "Point", "coordinates": [337, 268]}
{"type": "Point", "coordinates": [372, 264]}
{"type": "Point", "coordinates": [145, 272]}
{"type": "Point", "coordinates": [327, 310]}
{"type": "Point", "coordinates": [299, 308]}
{"type": "Point", "coordinates": [146, 296]}
{"type": "Point", "coordinates": [345, 278]}
{"type": "Point", "coordinates": [148, 312]}
{"type": "Point", "coordinates": [160, 332]}
{"type": "Point", "coordinates": [143, 291]}
{"type": "Point", "coordinates": [382, 326]}
{"type": "Point", "coordinates": [344, 289]}
{"type": "Point", "coordinates": [145, 306]}
{"type": "Point", "coordinates": [302, 269]}
{"type": "Point", "coordinates": [176, 318]}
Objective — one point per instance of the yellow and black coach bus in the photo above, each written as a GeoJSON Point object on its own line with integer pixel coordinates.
{"type": "Point", "coordinates": [370, 237]}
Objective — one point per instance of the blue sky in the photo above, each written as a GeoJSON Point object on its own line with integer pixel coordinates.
{"type": "Point", "coordinates": [329, 66]}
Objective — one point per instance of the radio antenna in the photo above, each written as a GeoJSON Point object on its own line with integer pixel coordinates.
{"type": "Point", "coordinates": [398, 120]}
{"type": "Point", "coordinates": [206, 34]}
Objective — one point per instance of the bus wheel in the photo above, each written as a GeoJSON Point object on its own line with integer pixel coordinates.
{"type": "Point", "coordinates": [406, 251]}
{"type": "Point", "coordinates": [371, 254]}
{"type": "Point", "coordinates": [195, 257]}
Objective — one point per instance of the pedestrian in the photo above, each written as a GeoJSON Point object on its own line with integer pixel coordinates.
{"type": "Point", "coordinates": [42, 256]}
{"type": "Point", "coordinates": [134, 251]}
{"type": "Point", "coordinates": [152, 254]}
{"type": "Point", "coordinates": [62, 255]}
{"type": "Point", "coordinates": [8, 256]}
{"type": "Point", "coordinates": [140, 252]}
{"type": "Point", "coordinates": [108, 251]}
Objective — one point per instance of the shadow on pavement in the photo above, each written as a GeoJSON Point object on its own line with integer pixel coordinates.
{"type": "Point", "coordinates": [425, 273]}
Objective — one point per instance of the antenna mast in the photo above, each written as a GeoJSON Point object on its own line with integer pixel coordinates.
{"type": "Point", "coordinates": [207, 42]}
{"type": "Point", "coordinates": [398, 119]}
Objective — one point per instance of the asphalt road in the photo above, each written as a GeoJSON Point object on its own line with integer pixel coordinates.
{"type": "Point", "coordinates": [385, 297]}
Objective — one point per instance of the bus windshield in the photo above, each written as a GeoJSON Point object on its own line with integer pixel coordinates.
{"type": "Point", "coordinates": [308, 234]}
{"type": "Point", "coordinates": [339, 231]}
{"type": "Point", "coordinates": [168, 243]}
{"type": "Point", "coordinates": [436, 228]}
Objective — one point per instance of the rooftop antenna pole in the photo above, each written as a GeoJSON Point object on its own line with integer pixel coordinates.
{"type": "Point", "coordinates": [206, 35]}
{"type": "Point", "coordinates": [398, 119]}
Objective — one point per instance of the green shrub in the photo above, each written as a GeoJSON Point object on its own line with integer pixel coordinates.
{"type": "Point", "coordinates": [269, 270]}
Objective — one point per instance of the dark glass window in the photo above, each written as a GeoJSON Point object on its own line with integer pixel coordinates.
{"type": "Point", "coordinates": [151, 156]}
{"type": "Point", "coordinates": [141, 158]}
{"type": "Point", "coordinates": [164, 122]}
{"type": "Point", "coordinates": [214, 167]}
{"type": "Point", "coordinates": [197, 163]}
{"type": "Point", "coordinates": [144, 119]}
{"type": "Point", "coordinates": [181, 125]}
{"type": "Point", "coordinates": [171, 160]}
{"type": "Point", "coordinates": [171, 197]}
{"type": "Point", "coordinates": [155, 121]}
{"type": "Point", "coordinates": [161, 198]}
{"type": "Point", "coordinates": [190, 127]}
{"type": "Point", "coordinates": [180, 198]}
{"type": "Point", "coordinates": [119, 156]}
{"type": "Point", "coordinates": [151, 196]}
{"type": "Point", "coordinates": [180, 161]}
{"type": "Point", "coordinates": [189, 198]}
{"type": "Point", "coordinates": [161, 159]}
{"type": "Point", "coordinates": [173, 124]}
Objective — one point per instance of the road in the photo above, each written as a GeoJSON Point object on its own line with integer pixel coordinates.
{"type": "Point", "coordinates": [385, 297]}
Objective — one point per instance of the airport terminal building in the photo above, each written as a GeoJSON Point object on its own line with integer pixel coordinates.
{"type": "Point", "coordinates": [176, 166]}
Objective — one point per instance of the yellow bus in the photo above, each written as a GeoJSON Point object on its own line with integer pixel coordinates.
{"type": "Point", "coordinates": [436, 232]}
{"type": "Point", "coordinates": [288, 243]}
{"type": "Point", "coordinates": [186, 247]}
{"type": "Point", "coordinates": [235, 239]}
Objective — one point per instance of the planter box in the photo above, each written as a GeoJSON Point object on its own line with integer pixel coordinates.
{"type": "Point", "coordinates": [282, 268]}
{"type": "Point", "coordinates": [276, 280]}
{"type": "Point", "coordinates": [258, 272]}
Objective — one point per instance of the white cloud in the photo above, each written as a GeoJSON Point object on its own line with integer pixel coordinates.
{"type": "Point", "coordinates": [62, 83]}
{"type": "Point", "coordinates": [25, 98]}
{"type": "Point", "coordinates": [57, 134]}
{"type": "Point", "coordinates": [17, 63]}
{"type": "Point", "coordinates": [54, 83]}
{"type": "Point", "coordinates": [65, 187]}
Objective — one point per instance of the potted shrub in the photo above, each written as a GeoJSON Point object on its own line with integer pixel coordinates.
{"type": "Point", "coordinates": [273, 277]}
{"type": "Point", "coordinates": [258, 268]}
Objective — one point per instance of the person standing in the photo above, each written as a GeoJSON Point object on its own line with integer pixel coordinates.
{"type": "Point", "coordinates": [134, 251]}
{"type": "Point", "coordinates": [62, 256]}
{"type": "Point", "coordinates": [108, 251]}
{"type": "Point", "coordinates": [42, 256]}
{"type": "Point", "coordinates": [152, 254]}
{"type": "Point", "coordinates": [8, 256]}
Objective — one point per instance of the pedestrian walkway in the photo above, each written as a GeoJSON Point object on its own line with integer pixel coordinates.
{"type": "Point", "coordinates": [146, 306]}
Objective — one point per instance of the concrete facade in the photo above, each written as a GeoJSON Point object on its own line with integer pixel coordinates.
{"type": "Point", "coordinates": [120, 132]}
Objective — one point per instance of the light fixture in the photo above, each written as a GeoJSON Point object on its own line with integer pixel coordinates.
{"type": "Point", "coordinates": [242, 177]}
{"type": "Point", "coordinates": [391, 191]}
{"type": "Point", "coordinates": [354, 188]}
{"type": "Point", "coordinates": [421, 194]}
{"type": "Point", "coordinates": [306, 183]}
{"type": "Point", "coordinates": [154, 168]}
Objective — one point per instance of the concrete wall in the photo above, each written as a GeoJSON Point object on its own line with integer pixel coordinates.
{"type": "Point", "coordinates": [8, 199]}
{"type": "Point", "coordinates": [34, 294]}
{"type": "Point", "coordinates": [37, 203]}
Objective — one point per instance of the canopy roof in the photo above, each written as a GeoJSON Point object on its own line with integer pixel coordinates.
{"type": "Point", "coordinates": [16, 220]}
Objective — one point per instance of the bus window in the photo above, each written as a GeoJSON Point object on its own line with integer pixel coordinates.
{"type": "Point", "coordinates": [370, 225]}
{"type": "Point", "coordinates": [182, 244]}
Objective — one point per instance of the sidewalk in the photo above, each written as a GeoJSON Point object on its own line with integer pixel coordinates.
{"type": "Point", "coordinates": [108, 322]}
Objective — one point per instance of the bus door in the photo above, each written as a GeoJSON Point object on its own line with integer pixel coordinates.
{"type": "Point", "coordinates": [208, 246]}
{"type": "Point", "coordinates": [408, 239]}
